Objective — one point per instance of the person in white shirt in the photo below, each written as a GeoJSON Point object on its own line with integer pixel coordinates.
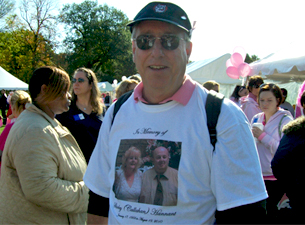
{"type": "Point", "coordinates": [222, 185]}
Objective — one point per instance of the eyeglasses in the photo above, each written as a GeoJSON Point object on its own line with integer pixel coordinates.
{"type": "Point", "coordinates": [169, 41]}
{"type": "Point", "coordinates": [270, 85]}
{"type": "Point", "coordinates": [80, 80]}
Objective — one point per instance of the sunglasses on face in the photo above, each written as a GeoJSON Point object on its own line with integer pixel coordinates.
{"type": "Point", "coordinates": [169, 41]}
{"type": "Point", "coordinates": [80, 80]}
{"type": "Point", "coordinates": [257, 85]}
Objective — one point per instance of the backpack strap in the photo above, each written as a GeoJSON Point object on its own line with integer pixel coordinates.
{"type": "Point", "coordinates": [212, 107]}
{"type": "Point", "coordinates": [119, 103]}
{"type": "Point", "coordinates": [280, 124]}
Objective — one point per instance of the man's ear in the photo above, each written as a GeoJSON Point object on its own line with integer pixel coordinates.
{"type": "Point", "coordinates": [189, 47]}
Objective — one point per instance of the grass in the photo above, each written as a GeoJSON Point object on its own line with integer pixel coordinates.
{"type": "Point", "coordinates": [1, 129]}
{"type": "Point", "coordinates": [3, 126]}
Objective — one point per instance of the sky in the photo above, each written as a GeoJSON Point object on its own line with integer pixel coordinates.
{"type": "Point", "coordinates": [261, 27]}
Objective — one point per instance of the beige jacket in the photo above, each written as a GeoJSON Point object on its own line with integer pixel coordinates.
{"type": "Point", "coordinates": [42, 173]}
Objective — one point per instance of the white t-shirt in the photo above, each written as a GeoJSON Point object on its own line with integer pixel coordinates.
{"type": "Point", "coordinates": [228, 177]}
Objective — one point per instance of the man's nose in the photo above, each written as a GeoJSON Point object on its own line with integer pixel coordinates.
{"type": "Point", "coordinates": [157, 49]}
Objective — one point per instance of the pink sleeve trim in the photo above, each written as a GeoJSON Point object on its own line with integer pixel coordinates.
{"type": "Point", "coordinates": [262, 136]}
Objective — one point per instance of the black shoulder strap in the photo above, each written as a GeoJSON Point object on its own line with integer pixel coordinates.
{"type": "Point", "coordinates": [120, 102]}
{"type": "Point", "coordinates": [212, 107]}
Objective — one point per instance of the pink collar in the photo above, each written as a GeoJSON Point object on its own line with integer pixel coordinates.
{"type": "Point", "coordinates": [183, 95]}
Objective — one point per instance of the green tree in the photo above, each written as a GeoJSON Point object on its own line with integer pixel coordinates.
{"type": "Point", "coordinates": [15, 49]}
{"type": "Point", "coordinates": [97, 38]}
{"type": "Point", "coordinates": [250, 59]}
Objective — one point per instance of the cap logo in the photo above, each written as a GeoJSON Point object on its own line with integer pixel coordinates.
{"type": "Point", "coordinates": [160, 8]}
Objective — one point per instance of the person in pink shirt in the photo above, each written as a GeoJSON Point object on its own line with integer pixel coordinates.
{"type": "Point", "coordinates": [273, 118]}
{"type": "Point", "coordinates": [249, 104]}
{"type": "Point", "coordinates": [17, 103]}
{"type": "Point", "coordinates": [239, 92]}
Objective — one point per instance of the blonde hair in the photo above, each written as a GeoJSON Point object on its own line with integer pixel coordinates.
{"type": "Point", "coordinates": [95, 96]}
{"type": "Point", "coordinates": [18, 101]}
{"type": "Point", "coordinates": [210, 84]}
{"type": "Point", "coordinates": [128, 153]}
{"type": "Point", "coordinates": [124, 87]}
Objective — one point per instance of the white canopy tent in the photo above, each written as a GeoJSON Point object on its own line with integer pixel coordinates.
{"type": "Point", "coordinates": [9, 82]}
{"type": "Point", "coordinates": [213, 69]}
{"type": "Point", "coordinates": [105, 86]}
{"type": "Point", "coordinates": [285, 67]}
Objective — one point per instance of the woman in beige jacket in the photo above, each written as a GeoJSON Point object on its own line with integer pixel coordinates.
{"type": "Point", "coordinates": [42, 164]}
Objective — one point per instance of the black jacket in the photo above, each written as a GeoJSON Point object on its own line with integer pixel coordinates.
{"type": "Point", "coordinates": [288, 164]}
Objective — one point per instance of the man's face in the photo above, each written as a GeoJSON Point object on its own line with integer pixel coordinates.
{"type": "Point", "coordinates": [162, 70]}
{"type": "Point", "coordinates": [160, 159]}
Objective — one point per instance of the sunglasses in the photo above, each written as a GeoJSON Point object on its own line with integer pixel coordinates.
{"type": "Point", "coordinates": [80, 80]}
{"type": "Point", "coordinates": [263, 85]}
{"type": "Point", "coordinates": [169, 41]}
{"type": "Point", "coordinates": [257, 86]}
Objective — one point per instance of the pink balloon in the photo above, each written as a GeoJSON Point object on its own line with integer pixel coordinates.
{"type": "Point", "coordinates": [232, 72]}
{"type": "Point", "coordinates": [228, 63]}
{"type": "Point", "coordinates": [241, 51]}
{"type": "Point", "coordinates": [244, 69]}
{"type": "Point", "coordinates": [236, 59]}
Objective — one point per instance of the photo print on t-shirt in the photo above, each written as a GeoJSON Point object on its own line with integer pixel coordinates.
{"type": "Point", "coordinates": [147, 171]}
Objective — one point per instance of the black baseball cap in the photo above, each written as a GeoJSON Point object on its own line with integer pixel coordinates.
{"type": "Point", "coordinates": [163, 11]}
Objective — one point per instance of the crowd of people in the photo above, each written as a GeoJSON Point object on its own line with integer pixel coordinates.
{"type": "Point", "coordinates": [68, 157]}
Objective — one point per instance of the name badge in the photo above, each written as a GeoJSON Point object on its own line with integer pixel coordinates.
{"type": "Point", "coordinates": [79, 117]}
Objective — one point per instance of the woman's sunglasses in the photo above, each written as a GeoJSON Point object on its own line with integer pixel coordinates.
{"type": "Point", "coordinates": [80, 80]}
{"type": "Point", "coordinates": [169, 41]}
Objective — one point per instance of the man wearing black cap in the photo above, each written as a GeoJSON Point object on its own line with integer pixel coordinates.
{"type": "Point", "coordinates": [169, 105]}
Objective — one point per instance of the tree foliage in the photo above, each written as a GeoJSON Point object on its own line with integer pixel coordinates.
{"type": "Point", "coordinates": [97, 38]}
{"type": "Point", "coordinates": [16, 54]}
{"type": "Point", "coordinates": [250, 59]}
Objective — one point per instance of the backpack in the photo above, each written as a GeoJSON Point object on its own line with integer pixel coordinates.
{"type": "Point", "coordinates": [212, 107]}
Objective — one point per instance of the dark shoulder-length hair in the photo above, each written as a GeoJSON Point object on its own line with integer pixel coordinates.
{"type": "Point", "coordinates": [95, 96]}
{"type": "Point", "coordinates": [57, 83]}
{"type": "Point", "coordinates": [235, 93]}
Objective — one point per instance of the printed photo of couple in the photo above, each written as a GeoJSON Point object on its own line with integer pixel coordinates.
{"type": "Point", "coordinates": [147, 171]}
